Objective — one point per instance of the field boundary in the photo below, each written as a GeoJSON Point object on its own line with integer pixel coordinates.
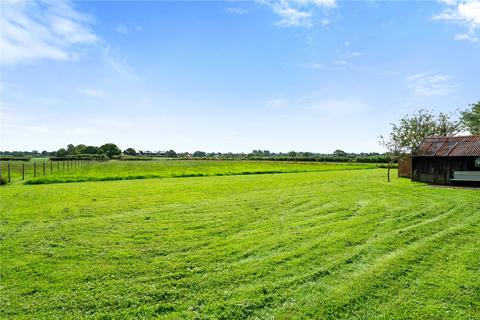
{"type": "Point", "coordinates": [54, 180]}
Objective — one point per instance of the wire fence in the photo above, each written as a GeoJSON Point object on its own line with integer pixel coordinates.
{"type": "Point", "coordinates": [14, 170]}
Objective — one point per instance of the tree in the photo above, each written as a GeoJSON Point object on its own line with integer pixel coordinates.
{"type": "Point", "coordinates": [110, 150]}
{"type": "Point", "coordinates": [130, 152]}
{"type": "Point", "coordinates": [471, 118]}
{"type": "Point", "coordinates": [91, 150]}
{"type": "Point", "coordinates": [407, 135]}
{"type": "Point", "coordinates": [292, 154]}
{"type": "Point", "coordinates": [199, 154]}
{"type": "Point", "coordinates": [61, 152]}
{"type": "Point", "coordinates": [70, 149]}
{"type": "Point", "coordinates": [79, 149]}
{"type": "Point", "coordinates": [411, 130]}
{"type": "Point", "coordinates": [171, 154]}
{"type": "Point", "coordinates": [339, 153]}
{"type": "Point", "coordinates": [395, 146]}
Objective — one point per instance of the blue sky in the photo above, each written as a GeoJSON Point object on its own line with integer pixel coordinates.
{"type": "Point", "coordinates": [310, 75]}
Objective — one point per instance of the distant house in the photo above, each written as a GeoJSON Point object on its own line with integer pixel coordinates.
{"type": "Point", "coordinates": [448, 160]}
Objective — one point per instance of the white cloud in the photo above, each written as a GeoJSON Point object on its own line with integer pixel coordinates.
{"type": "Point", "coordinates": [449, 2]}
{"type": "Point", "coordinates": [349, 55]}
{"type": "Point", "coordinates": [318, 3]}
{"type": "Point", "coordinates": [316, 65]}
{"type": "Point", "coordinates": [296, 13]}
{"type": "Point", "coordinates": [279, 103]}
{"type": "Point", "coordinates": [426, 84]}
{"type": "Point", "coordinates": [118, 64]}
{"type": "Point", "coordinates": [121, 28]}
{"type": "Point", "coordinates": [293, 17]}
{"type": "Point", "coordinates": [125, 29]}
{"type": "Point", "coordinates": [237, 11]}
{"type": "Point", "coordinates": [465, 36]}
{"type": "Point", "coordinates": [35, 30]}
{"type": "Point", "coordinates": [343, 62]}
{"type": "Point", "coordinates": [333, 66]}
{"type": "Point", "coordinates": [466, 13]}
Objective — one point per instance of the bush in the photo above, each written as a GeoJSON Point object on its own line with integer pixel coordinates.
{"type": "Point", "coordinates": [3, 181]}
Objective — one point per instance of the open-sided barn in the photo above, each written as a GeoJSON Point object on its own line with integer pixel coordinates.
{"type": "Point", "coordinates": [448, 160]}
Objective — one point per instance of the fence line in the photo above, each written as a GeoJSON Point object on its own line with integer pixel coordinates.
{"type": "Point", "coordinates": [13, 171]}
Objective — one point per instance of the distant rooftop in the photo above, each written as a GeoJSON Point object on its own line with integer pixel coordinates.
{"type": "Point", "coordinates": [464, 146]}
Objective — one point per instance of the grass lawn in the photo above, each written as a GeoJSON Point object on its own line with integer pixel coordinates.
{"type": "Point", "coordinates": [328, 244]}
{"type": "Point", "coordinates": [126, 170]}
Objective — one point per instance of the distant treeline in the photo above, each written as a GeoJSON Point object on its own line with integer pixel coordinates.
{"type": "Point", "coordinates": [111, 151]}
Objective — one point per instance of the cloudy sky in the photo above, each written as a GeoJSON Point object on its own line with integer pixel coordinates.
{"type": "Point", "coordinates": [309, 75]}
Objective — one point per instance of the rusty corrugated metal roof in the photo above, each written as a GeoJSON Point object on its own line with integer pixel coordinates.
{"type": "Point", "coordinates": [465, 146]}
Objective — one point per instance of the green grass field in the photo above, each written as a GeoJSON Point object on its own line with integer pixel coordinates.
{"type": "Point", "coordinates": [341, 244]}
{"type": "Point", "coordinates": [128, 170]}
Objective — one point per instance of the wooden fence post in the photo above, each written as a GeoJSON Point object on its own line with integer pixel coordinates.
{"type": "Point", "coordinates": [0, 169]}
{"type": "Point", "coordinates": [51, 167]}
{"type": "Point", "coordinates": [34, 169]}
{"type": "Point", "coordinates": [44, 168]}
{"type": "Point", "coordinates": [23, 170]}
{"type": "Point", "coordinates": [58, 166]}
{"type": "Point", "coordinates": [9, 171]}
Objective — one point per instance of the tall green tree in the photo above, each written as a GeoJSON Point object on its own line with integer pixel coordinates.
{"type": "Point", "coordinates": [199, 154]}
{"type": "Point", "coordinates": [70, 149]}
{"type": "Point", "coordinates": [80, 149]}
{"type": "Point", "coordinates": [110, 150]}
{"type": "Point", "coordinates": [412, 129]}
{"type": "Point", "coordinates": [130, 152]}
{"type": "Point", "coordinates": [471, 118]}
{"type": "Point", "coordinates": [339, 153]}
{"type": "Point", "coordinates": [171, 154]}
{"type": "Point", "coordinates": [91, 150]}
{"type": "Point", "coordinates": [61, 152]}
